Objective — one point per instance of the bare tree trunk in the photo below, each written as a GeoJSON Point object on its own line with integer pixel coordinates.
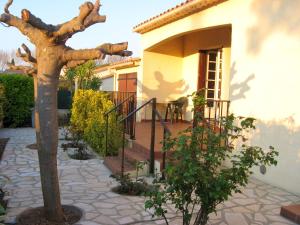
{"type": "Point", "coordinates": [35, 85]}
{"type": "Point", "coordinates": [47, 135]}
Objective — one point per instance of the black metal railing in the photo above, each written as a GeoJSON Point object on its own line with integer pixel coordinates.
{"type": "Point", "coordinates": [124, 105]}
{"type": "Point", "coordinates": [117, 97]}
{"type": "Point", "coordinates": [155, 114]}
{"type": "Point", "coordinates": [213, 113]}
{"type": "Point", "coordinates": [166, 133]}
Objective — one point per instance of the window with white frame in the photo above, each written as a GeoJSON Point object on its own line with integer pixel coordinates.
{"type": "Point", "coordinates": [213, 75]}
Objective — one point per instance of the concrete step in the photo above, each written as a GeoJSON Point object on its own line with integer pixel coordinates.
{"type": "Point", "coordinates": [114, 163]}
{"type": "Point", "coordinates": [137, 147]}
{"type": "Point", "coordinates": [291, 212]}
{"type": "Point", "coordinates": [133, 156]}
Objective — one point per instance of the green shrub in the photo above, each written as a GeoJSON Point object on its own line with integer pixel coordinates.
{"type": "Point", "coordinates": [196, 178]}
{"type": "Point", "coordinates": [19, 96]}
{"type": "Point", "coordinates": [87, 116]}
{"type": "Point", "coordinates": [2, 103]}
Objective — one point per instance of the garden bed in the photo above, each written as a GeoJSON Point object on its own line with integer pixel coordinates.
{"type": "Point", "coordinates": [131, 187]}
{"type": "Point", "coordinates": [36, 216]}
{"type": "Point", "coordinates": [78, 151]}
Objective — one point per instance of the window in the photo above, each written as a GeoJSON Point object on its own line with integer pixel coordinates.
{"type": "Point", "coordinates": [213, 75]}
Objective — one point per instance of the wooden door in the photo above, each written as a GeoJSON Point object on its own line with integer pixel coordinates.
{"type": "Point", "coordinates": [127, 82]}
{"type": "Point", "coordinates": [202, 70]}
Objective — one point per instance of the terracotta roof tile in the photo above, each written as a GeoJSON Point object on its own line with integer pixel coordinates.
{"type": "Point", "coordinates": [178, 12]}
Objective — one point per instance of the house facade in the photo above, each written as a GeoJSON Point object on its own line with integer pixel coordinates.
{"type": "Point", "coordinates": [246, 52]}
{"type": "Point", "coordinates": [119, 76]}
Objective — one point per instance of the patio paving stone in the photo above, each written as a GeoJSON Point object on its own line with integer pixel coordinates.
{"type": "Point", "coordinates": [87, 185]}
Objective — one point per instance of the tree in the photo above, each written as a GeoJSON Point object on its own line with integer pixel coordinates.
{"type": "Point", "coordinates": [5, 57]}
{"type": "Point", "coordinates": [84, 76]}
{"type": "Point", "coordinates": [51, 55]}
{"type": "Point", "coordinates": [196, 178]}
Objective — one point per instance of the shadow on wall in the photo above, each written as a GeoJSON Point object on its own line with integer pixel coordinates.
{"type": "Point", "coordinates": [238, 90]}
{"type": "Point", "coordinates": [273, 16]}
{"type": "Point", "coordinates": [165, 90]}
{"type": "Point", "coordinates": [284, 136]}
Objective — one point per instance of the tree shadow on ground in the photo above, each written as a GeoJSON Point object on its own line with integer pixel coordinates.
{"type": "Point", "coordinates": [273, 16]}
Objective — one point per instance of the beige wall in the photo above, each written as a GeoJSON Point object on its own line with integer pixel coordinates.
{"type": "Point", "coordinates": [264, 73]}
{"type": "Point", "coordinates": [162, 74]}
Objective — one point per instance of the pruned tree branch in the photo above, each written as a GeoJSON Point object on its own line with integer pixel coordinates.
{"type": "Point", "coordinates": [88, 15]}
{"type": "Point", "coordinates": [36, 22]}
{"type": "Point", "coordinates": [75, 25]}
{"type": "Point", "coordinates": [27, 57]}
{"type": "Point", "coordinates": [97, 53]}
{"type": "Point", "coordinates": [115, 49]}
{"type": "Point", "coordinates": [83, 54]}
{"type": "Point", "coordinates": [94, 16]}
{"type": "Point", "coordinates": [7, 5]}
{"type": "Point", "coordinates": [31, 71]}
{"type": "Point", "coordinates": [75, 63]}
{"type": "Point", "coordinates": [24, 27]}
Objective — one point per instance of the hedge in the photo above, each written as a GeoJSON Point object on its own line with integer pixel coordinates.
{"type": "Point", "coordinates": [2, 103]}
{"type": "Point", "coordinates": [19, 99]}
{"type": "Point", "coordinates": [87, 116]}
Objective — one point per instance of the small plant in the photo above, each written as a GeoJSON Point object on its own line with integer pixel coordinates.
{"type": "Point", "coordinates": [66, 133]}
{"type": "Point", "coordinates": [65, 126]}
{"type": "Point", "coordinates": [81, 151]}
{"type": "Point", "coordinates": [196, 175]}
{"type": "Point", "coordinates": [139, 166]}
{"type": "Point", "coordinates": [129, 187]}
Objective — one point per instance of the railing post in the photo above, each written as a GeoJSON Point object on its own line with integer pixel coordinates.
{"type": "Point", "coordinates": [131, 119]}
{"type": "Point", "coordinates": [123, 151]}
{"type": "Point", "coordinates": [106, 134]}
{"type": "Point", "coordinates": [151, 170]}
{"type": "Point", "coordinates": [163, 176]}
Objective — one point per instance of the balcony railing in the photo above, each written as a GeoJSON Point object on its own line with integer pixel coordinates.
{"type": "Point", "coordinates": [213, 113]}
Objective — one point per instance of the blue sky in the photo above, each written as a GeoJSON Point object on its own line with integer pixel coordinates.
{"type": "Point", "coordinates": [122, 16]}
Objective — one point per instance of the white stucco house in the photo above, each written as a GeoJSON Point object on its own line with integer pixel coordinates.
{"type": "Point", "coordinates": [244, 51]}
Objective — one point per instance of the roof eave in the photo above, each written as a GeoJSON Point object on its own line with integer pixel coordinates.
{"type": "Point", "coordinates": [177, 13]}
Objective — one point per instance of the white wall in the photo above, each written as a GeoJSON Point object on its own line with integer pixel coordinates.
{"type": "Point", "coordinates": [107, 84]}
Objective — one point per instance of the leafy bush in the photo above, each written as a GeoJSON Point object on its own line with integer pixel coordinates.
{"type": "Point", "coordinates": [19, 95]}
{"type": "Point", "coordinates": [85, 76]}
{"type": "Point", "coordinates": [87, 116]}
{"type": "Point", "coordinates": [130, 187]}
{"type": "Point", "coordinates": [2, 103]}
{"type": "Point", "coordinates": [196, 176]}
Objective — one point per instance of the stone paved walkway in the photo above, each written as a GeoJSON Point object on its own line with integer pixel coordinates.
{"type": "Point", "coordinates": [87, 185]}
